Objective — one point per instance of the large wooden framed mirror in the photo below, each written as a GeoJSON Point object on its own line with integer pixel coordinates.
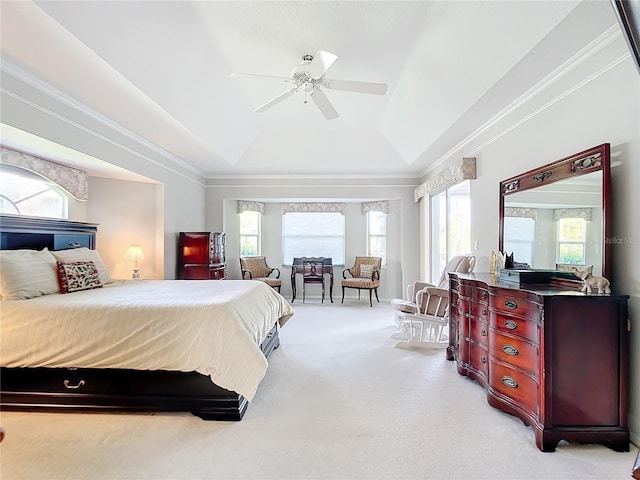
{"type": "Point", "coordinates": [560, 214]}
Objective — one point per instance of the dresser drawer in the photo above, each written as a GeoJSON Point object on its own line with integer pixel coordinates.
{"type": "Point", "coordinates": [463, 351]}
{"type": "Point", "coordinates": [515, 326]}
{"type": "Point", "coordinates": [516, 385]}
{"type": "Point", "coordinates": [515, 306]}
{"type": "Point", "coordinates": [481, 295]}
{"type": "Point", "coordinates": [462, 304]}
{"type": "Point", "coordinates": [515, 352]}
{"type": "Point", "coordinates": [464, 329]}
{"type": "Point", "coordinates": [479, 331]}
{"type": "Point", "coordinates": [218, 273]}
{"type": "Point", "coordinates": [480, 359]}
{"type": "Point", "coordinates": [480, 310]}
{"type": "Point", "coordinates": [465, 291]}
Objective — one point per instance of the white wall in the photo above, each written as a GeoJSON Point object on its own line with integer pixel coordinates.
{"type": "Point", "coordinates": [402, 227]}
{"type": "Point", "coordinates": [128, 213]}
{"type": "Point", "coordinates": [605, 110]}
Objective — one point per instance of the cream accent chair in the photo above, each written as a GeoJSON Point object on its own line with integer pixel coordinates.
{"type": "Point", "coordinates": [256, 268]}
{"type": "Point", "coordinates": [364, 275]}
{"type": "Point", "coordinates": [410, 304]}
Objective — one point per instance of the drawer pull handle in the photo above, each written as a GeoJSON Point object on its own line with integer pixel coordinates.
{"type": "Point", "coordinates": [484, 295]}
{"type": "Point", "coordinates": [73, 387]}
{"type": "Point", "coordinates": [511, 325]}
{"type": "Point", "coordinates": [483, 332]}
{"type": "Point", "coordinates": [511, 305]}
{"type": "Point", "coordinates": [509, 382]}
{"type": "Point", "coordinates": [483, 359]}
{"type": "Point", "coordinates": [484, 311]}
{"type": "Point", "coordinates": [74, 244]}
{"type": "Point", "coordinates": [510, 350]}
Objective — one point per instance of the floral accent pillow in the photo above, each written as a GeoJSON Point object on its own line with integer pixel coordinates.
{"type": "Point", "coordinates": [76, 276]}
{"type": "Point", "coordinates": [366, 271]}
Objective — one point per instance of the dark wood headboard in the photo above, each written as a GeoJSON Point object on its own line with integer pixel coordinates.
{"type": "Point", "coordinates": [37, 233]}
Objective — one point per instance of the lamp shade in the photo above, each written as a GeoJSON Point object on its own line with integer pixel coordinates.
{"type": "Point", "coordinates": [134, 253]}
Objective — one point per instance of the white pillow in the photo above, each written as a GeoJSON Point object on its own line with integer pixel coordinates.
{"type": "Point", "coordinates": [27, 274]}
{"type": "Point", "coordinates": [84, 254]}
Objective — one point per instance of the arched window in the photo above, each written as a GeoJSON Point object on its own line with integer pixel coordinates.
{"type": "Point", "coordinates": [25, 193]}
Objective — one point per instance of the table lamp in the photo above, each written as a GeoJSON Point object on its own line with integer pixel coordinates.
{"type": "Point", "coordinates": [135, 254]}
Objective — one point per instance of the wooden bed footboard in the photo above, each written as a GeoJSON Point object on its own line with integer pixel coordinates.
{"type": "Point", "coordinates": [107, 390]}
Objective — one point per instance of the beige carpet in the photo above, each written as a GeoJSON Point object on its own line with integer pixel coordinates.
{"type": "Point", "coordinates": [339, 402]}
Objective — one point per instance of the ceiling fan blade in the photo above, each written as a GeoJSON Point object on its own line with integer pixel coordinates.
{"type": "Point", "coordinates": [359, 87]}
{"type": "Point", "coordinates": [278, 99]}
{"type": "Point", "coordinates": [258, 75]}
{"type": "Point", "coordinates": [320, 63]}
{"type": "Point", "coordinates": [323, 103]}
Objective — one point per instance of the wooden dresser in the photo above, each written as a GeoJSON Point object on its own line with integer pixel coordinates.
{"type": "Point", "coordinates": [201, 256]}
{"type": "Point", "coordinates": [556, 358]}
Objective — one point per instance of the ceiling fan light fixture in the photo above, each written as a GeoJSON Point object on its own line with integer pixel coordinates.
{"type": "Point", "coordinates": [309, 77]}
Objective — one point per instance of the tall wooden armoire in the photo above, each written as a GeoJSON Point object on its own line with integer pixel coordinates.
{"type": "Point", "coordinates": [201, 256]}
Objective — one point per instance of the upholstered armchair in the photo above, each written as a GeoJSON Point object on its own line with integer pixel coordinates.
{"type": "Point", "coordinates": [364, 275]}
{"type": "Point", "coordinates": [256, 268]}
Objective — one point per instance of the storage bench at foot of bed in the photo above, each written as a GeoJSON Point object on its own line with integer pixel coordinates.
{"type": "Point", "coordinates": [56, 389]}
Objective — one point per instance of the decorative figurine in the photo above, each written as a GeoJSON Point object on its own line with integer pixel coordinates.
{"type": "Point", "coordinates": [590, 282]}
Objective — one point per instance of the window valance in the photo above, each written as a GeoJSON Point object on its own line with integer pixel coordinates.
{"type": "Point", "coordinates": [521, 212]}
{"type": "Point", "coordinates": [247, 206]}
{"type": "Point", "coordinates": [314, 207]}
{"type": "Point", "coordinates": [465, 169]}
{"type": "Point", "coordinates": [379, 206]}
{"type": "Point", "coordinates": [73, 180]}
{"type": "Point", "coordinates": [584, 213]}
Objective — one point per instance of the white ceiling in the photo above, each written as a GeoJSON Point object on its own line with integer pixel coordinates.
{"type": "Point", "coordinates": [161, 70]}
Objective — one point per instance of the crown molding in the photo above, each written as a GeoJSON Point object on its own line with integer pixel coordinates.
{"type": "Point", "coordinates": [43, 87]}
{"type": "Point", "coordinates": [589, 51]}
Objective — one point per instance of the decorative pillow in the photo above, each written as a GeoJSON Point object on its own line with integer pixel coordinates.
{"type": "Point", "coordinates": [78, 276]}
{"type": "Point", "coordinates": [27, 274]}
{"type": "Point", "coordinates": [366, 270]}
{"type": "Point", "coordinates": [84, 254]}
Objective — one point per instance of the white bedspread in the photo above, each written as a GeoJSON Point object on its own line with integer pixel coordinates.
{"type": "Point", "coordinates": [213, 327]}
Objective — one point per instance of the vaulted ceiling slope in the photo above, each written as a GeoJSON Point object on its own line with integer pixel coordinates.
{"type": "Point", "coordinates": [160, 71]}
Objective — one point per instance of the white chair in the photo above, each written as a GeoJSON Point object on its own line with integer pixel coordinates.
{"type": "Point", "coordinates": [409, 304]}
{"type": "Point", "coordinates": [427, 327]}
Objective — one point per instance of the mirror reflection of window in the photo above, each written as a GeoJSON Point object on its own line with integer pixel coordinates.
{"type": "Point", "coordinates": [572, 236]}
{"type": "Point", "coordinates": [519, 237]}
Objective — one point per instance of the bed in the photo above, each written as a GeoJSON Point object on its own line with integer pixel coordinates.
{"type": "Point", "coordinates": [134, 345]}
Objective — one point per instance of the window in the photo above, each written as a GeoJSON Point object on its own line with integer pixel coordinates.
{"type": "Point", "coordinates": [520, 232]}
{"type": "Point", "coordinates": [572, 235]}
{"type": "Point", "coordinates": [377, 235]}
{"type": "Point", "coordinates": [25, 193]}
{"type": "Point", "coordinates": [250, 239]}
{"type": "Point", "coordinates": [450, 226]}
{"type": "Point", "coordinates": [308, 234]}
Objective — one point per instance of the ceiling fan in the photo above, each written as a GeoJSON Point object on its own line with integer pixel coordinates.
{"type": "Point", "coordinates": [308, 78]}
